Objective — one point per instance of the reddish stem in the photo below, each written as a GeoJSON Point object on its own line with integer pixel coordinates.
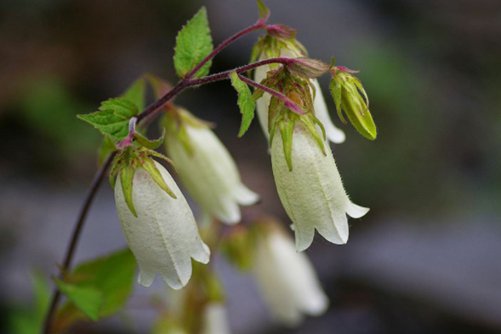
{"type": "Point", "coordinates": [150, 110]}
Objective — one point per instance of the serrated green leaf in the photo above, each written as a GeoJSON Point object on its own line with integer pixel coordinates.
{"type": "Point", "coordinates": [112, 119]}
{"type": "Point", "coordinates": [87, 299]}
{"type": "Point", "coordinates": [193, 44]}
{"type": "Point", "coordinates": [111, 277]}
{"type": "Point", "coordinates": [136, 93]}
{"type": "Point", "coordinates": [245, 102]}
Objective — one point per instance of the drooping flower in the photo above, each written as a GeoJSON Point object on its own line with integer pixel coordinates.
{"type": "Point", "coordinates": [280, 46]}
{"type": "Point", "coordinates": [205, 167]}
{"type": "Point", "coordinates": [286, 278]}
{"type": "Point", "coordinates": [310, 187]}
{"type": "Point", "coordinates": [157, 222]}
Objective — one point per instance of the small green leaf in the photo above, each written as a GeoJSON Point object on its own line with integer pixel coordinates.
{"type": "Point", "coordinates": [264, 12]}
{"type": "Point", "coordinates": [135, 93]}
{"type": "Point", "coordinates": [87, 299]}
{"type": "Point", "coordinates": [112, 119]}
{"type": "Point", "coordinates": [193, 44]}
{"type": "Point", "coordinates": [246, 102]}
{"type": "Point", "coordinates": [100, 287]}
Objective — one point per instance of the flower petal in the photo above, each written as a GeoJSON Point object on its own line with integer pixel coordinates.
{"type": "Point", "coordinates": [164, 236]}
{"type": "Point", "coordinates": [312, 193]}
{"type": "Point", "coordinates": [334, 134]}
{"type": "Point", "coordinates": [209, 173]}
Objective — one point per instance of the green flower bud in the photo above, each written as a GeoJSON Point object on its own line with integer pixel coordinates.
{"type": "Point", "coordinates": [351, 99]}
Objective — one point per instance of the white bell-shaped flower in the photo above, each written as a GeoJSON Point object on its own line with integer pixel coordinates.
{"type": "Point", "coordinates": [215, 320]}
{"type": "Point", "coordinates": [333, 133]}
{"type": "Point", "coordinates": [287, 279]}
{"type": "Point", "coordinates": [208, 172]}
{"type": "Point", "coordinates": [312, 193]}
{"type": "Point", "coordinates": [163, 235]}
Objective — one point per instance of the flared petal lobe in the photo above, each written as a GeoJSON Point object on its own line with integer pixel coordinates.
{"type": "Point", "coordinates": [287, 280]}
{"type": "Point", "coordinates": [164, 236]}
{"type": "Point", "coordinates": [312, 192]}
{"type": "Point", "coordinates": [209, 174]}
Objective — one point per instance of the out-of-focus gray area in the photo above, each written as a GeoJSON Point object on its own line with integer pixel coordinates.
{"type": "Point", "coordinates": [426, 257]}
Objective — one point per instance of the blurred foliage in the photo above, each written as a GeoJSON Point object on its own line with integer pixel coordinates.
{"type": "Point", "coordinates": [49, 108]}
{"type": "Point", "coordinates": [98, 288]}
{"type": "Point", "coordinates": [29, 320]}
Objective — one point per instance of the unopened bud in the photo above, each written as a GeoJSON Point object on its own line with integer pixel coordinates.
{"type": "Point", "coordinates": [350, 97]}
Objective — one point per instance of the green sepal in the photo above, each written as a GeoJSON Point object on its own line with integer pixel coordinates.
{"type": "Point", "coordinates": [246, 102]}
{"type": "Point", "coordinates": [336, 92]}
{"type": "Point", "coordinates": [311, 124]}
{"type": "Point", "coordinates": [360, 117]}
{"type": "Point", "coordinates": [264, 12]}
{"type": "Point", "coordinates": [151, 144]}
{"type": "Point", "coordinates": [287, 134]}
{"type": "Point", "coordinates": [127, 180]}
{"type": "Point", "coordinates": [112, 118]}
{"type": "Point", "coordinates": [193, 44]}
{"type": "Point", "coordinates": [149, 166]}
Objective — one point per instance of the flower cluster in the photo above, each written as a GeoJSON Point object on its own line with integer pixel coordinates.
{"type": "Point", "coordinates": [157, 221]}
{"type": "Point", "coordinates": [306, 175]}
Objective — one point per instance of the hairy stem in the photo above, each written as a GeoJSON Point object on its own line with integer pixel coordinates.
{"type": "Point", "coordinates": [149, 111]}
{"type": "Point", "coordinates": [260, 24]}
{"type": "Point", "coordinates": [184, 83]}
{"type": "Point", "coordinates": [242, 69]}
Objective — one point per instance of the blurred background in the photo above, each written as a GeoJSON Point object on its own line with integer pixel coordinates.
{"type": "Point", "coordinates": [426, 259]}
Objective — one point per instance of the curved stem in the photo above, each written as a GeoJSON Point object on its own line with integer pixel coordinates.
{"type": "Point", "coordinates": [70, 251]}
{"type": "Point", "coordinates": [151, 109]}
{"type": "Point", "coordinates": [226, 74]}
{"type": "Point", "coordinates": [260, 24]}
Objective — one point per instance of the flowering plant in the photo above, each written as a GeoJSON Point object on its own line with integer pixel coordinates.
{"type": "Point", "coordinates": [159, 226]}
